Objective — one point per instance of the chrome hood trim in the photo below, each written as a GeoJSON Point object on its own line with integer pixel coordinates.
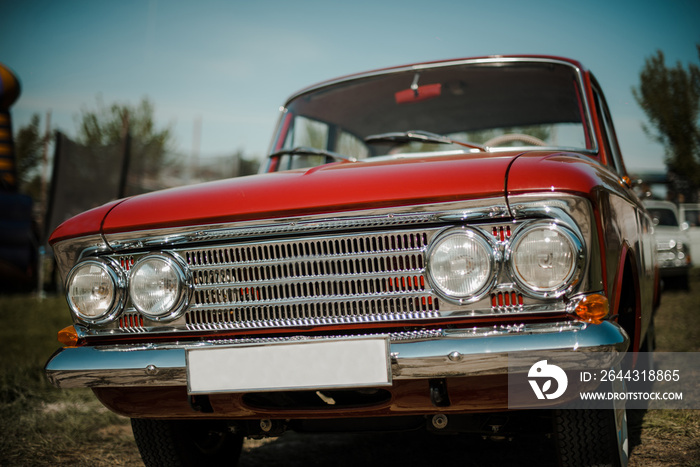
{"type": "Point", "coordinates": [473, 210]}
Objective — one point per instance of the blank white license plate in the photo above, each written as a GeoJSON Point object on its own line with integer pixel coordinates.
{"type": "Point", "coordinates": [361, 362]}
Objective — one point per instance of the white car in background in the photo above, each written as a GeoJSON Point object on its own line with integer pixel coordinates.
{"type": "Point", "coordinates": [672, 243]}
{"type": "Point", "coordinates": [690, 215]}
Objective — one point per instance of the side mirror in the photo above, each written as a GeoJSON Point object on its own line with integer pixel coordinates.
{"type": "Point", "coordinates": [685, 226]}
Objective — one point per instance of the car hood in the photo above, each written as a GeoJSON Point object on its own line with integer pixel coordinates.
{"type": "Point", "coordinates": [331, 188]}
{"type": "Point", "coordinates": [345, 186]}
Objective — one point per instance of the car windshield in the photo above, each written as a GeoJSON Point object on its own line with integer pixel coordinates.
{"type": "Point", "coordinates": [488, 105]}
{"type": "Point", "coordinates": [663, 216]}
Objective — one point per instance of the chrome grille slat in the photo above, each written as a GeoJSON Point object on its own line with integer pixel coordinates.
{"type": "Point", "coordinates": [293, 280]}
{"type": "Point", "coordinates": [328, 313]}
{"type": "Point", "coordinates": [268, 275]}
{"type": "Point", "coordinates": [402, 336]}
{"type": "Point", "coordinates": [371, 260]}
{"type": "Point", "coordinates": [295, 301]}
{"type": "Point", "coordinates": [317, 280]}
{"type": "Point", "coordinates": [329, 246]}
{"type": "Point", "coordinates": [212, 261]}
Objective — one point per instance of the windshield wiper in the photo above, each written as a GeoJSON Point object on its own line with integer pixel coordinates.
{"type": "Point", "coordinates": [419, 136]}
{"type": "Point", "coordinates": [308, 151]}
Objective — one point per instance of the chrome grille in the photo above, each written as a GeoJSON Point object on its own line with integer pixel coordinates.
{"type": "Point", "coordinates": [320, 280]}
{"type": "Point", "coordinates": [507, 302]}
{"type": "Point", "coordinates": [131, 322]}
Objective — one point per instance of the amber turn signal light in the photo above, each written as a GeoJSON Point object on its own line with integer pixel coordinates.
{"type": "Point", "coordinates": [593, 309]}
{"type": "Point", "coordinates": [68, 336]}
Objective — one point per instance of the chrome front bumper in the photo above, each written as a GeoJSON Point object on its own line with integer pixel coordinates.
{"type": "Point", "coordinates": [437, 354]}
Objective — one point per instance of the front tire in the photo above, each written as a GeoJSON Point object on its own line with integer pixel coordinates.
{"type": "Point", "coordinates": [588, 438]}
{"type": "Point", "coordinates": [183, 443]}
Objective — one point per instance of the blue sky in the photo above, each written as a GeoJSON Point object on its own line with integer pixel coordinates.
{"type": "Point", "coordinates": [233, 63]}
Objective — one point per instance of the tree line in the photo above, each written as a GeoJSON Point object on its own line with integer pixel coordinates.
{"type": "Point", "coordinates": [106, 126]}
{"type": "Point", "coordinates": [670, 98]}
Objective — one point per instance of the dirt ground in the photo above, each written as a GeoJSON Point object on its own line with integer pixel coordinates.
{"type": "Point", "coordinates": [417, 448]}
{"type": "Point", "coordinates": [346, 450]}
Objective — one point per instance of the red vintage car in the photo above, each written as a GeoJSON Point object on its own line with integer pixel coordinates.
{"type": "Point", "coordinates": [418, 228]}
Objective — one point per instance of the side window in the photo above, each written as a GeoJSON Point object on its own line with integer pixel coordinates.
{"type": "Point", "coordinates": [307, 133]}
{"type": "Point", "coordinates": [350, 145]}
{"type": "Point", "coordinates": [310, 133]}
{"type": "Point", "coordinates": [611, 145]}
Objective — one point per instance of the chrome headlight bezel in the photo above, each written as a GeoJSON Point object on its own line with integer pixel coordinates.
{"type": "Point", "coordinates": [577, 249]}
{"type": "Point", "coordinates": [118, 282]}
{"type": "Point", "coordinates": [491, 255]}
{"type": "Point", "coordinates": [180, 299]}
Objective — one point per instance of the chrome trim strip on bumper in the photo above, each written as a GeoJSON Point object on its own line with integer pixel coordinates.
{"type": "Point", "coordinates": [456, 353]}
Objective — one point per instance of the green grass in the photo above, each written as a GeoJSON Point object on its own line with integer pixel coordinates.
{"type": "Point", "coordinates": [672, 437]}
{"type": "Point", "coordinates": [42, 425]}
{"type": "Point", "coordinates": [28, 330]}
{"type": "Point", "coordinates": [678, 319]}
{"type": "Point", "coordinates": [671, 423]}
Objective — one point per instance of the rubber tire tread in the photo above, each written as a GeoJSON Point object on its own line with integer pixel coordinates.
{"type": "Point", "coordinates": [170, 443]}
{"type": "Point", "coordinates": [586, 438]}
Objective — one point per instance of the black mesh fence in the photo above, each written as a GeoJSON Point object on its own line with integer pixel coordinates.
{"type": "Point", "coordinates": [87, 176]}
{"type": "Point", "coordinates": [83, 178]}
{"type": "Point", "coordinates": [146, 168]}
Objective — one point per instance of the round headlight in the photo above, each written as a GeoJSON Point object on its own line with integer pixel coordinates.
{"type": "Point", "coordinates": [95, 290]}
{"type": "Point", "coordinates": [545, 258]}
{"type": "Point", "coordinates": [461, 264]}
{"type": "Point", "coordinates": [158, 287]}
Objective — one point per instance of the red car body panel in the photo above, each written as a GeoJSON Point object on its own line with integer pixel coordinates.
{"type": "Point", "coordinates": [86, 223]}
{"type": "Point", "coordinates": [560, 172]}
{"type": "Point", "coordinates": [331, 188]}
{"type": "Point", "coordinates": [344, 186]}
